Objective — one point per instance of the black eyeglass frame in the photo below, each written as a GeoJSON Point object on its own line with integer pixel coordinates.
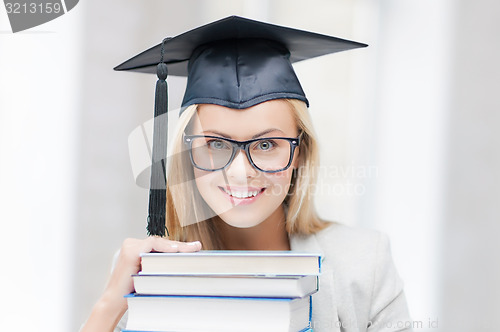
{"type": "Point", "coordinates": [242, 145]}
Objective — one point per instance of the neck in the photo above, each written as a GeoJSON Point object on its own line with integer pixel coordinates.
{"type": "Point", "coordinates": [270, 234]}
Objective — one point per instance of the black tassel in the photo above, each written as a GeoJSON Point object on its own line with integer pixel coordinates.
{"type": "Point", "coordinates": [158, 186]}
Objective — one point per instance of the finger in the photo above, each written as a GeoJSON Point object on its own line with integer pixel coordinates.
{"type": "Point", "coordinates": [159, 244]}
{"type": "Point", "coordinates": [164, 245]}
{"type": "Point", "coordinates": [189, 246]}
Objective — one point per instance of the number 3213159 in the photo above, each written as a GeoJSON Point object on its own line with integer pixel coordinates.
{"type": "Point", "coordinates": [33, 8]}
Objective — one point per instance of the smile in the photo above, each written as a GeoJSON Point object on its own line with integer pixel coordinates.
{"type": "Point", "coordinates": [242, 194]}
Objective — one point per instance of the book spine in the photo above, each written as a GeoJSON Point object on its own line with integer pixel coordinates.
{"type": "Point", "coordinates": [310, 309]}
{"type": "Point", "coordinates": [254, 298]}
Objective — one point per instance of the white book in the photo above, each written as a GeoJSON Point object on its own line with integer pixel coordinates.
{"type": "Point", "coordinates": [225, 285]}
{"type": "Point", "coordinates": [232, 262]}
{"type": "Point", "coordinates": [217, 314]}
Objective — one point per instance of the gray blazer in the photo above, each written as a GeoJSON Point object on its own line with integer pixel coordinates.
{"type": "Point", "coordinates": [359, 287]}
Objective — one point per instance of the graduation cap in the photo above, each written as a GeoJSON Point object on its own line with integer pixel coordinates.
{"type": "Point", "coordinates": [234, 62]}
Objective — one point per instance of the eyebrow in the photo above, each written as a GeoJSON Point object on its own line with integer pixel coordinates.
{"type": "Point", "coordinates": [267, 131]}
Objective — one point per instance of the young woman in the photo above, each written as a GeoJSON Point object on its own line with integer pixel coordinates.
{"type": "Point", "coordinates": [240, 178]}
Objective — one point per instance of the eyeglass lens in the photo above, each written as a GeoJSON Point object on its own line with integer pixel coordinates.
{"type": "Point", "coordinates": [267, 154]}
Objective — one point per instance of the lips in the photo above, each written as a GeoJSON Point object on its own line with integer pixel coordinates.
{"type": "Point", "coordinates": [242, 195]}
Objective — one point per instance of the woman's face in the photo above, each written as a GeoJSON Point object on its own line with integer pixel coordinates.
{"type": "Point", "coordinates": [230, 192]}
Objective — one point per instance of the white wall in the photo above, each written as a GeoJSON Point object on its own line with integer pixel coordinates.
{"type": "Point", "coordinates": [39, 110]}
{"type": "Point", "coordinates": [411, 107]}
{"type": "Point", "coordinates": [470, 248]}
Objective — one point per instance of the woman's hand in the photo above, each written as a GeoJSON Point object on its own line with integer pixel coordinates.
{"type": "Point", "coordinates": [112, 305]}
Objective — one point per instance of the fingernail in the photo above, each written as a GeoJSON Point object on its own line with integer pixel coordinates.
{"type": "Point", "coordinates": [194, 243]}
{"type": "Point", "coordinates": [174, 246]}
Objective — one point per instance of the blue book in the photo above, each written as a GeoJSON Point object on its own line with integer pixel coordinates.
{"type": "Point", "coordinates": [217, 314]}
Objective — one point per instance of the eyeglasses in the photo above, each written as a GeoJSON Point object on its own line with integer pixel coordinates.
{"type": "Point", "coordinates": [268, 154]}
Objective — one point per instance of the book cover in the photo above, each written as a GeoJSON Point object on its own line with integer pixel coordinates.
{"type": "Point", "coordinates": [226, 285]}
{"type": "Point", "coordinates": [232, 262]}
{"type": "Point", "coordinates": [217, 314]}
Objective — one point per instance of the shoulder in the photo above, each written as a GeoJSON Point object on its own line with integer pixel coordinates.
{"type": "Point", "coordinates": [353, 253]}
{"type": "Point", "coordinates": [358, 265]}
{"type": "Point", "coordinates": [340, 240]}
{"type": "Point", "coordinates": [359, 258]}
{"type": "Point", "coordinates": [348, 242]}
{"type": "Point", "coordinates": [361, 262]}
{"type": "Point", "coordinates": [356, 250]}
{"type": "Point", "coordinates": [338, 234]}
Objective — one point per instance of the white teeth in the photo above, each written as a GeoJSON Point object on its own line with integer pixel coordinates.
{"type": "Point", "coordinates": [242, 194]}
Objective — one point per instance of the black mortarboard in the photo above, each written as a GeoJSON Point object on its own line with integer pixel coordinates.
{"type": "Point", "coordinates": [234, 62]}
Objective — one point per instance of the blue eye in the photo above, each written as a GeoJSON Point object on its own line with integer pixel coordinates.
{"type": "Point", "coordinates": [218, 144]}
{"type": "Point", "coordinates": [265, 145]}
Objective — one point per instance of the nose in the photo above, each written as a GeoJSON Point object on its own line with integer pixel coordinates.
{"type": "Point", "coordinates": [240, 167]}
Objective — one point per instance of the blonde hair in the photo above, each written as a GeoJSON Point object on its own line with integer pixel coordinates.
{"type": "Point", "coordinates": [185, 204]}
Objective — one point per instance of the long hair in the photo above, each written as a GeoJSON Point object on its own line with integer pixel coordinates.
{"type": "Point", "coordinates": [189, 218]}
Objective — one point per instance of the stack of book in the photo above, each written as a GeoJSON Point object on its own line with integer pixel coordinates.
{"type": "Point", "coordinates": [224, 291]}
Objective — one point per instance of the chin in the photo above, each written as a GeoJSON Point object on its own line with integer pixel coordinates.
{"type": "Point", "coordinates": [239, 221]}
